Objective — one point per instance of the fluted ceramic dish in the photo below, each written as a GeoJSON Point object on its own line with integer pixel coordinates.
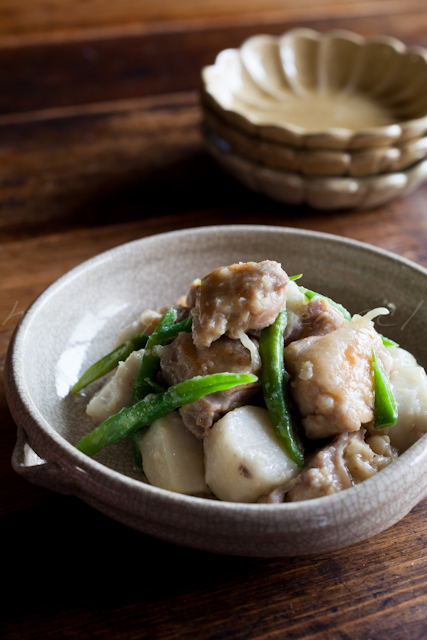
{"type": "Point", "coordinates": [315, 161]}
{"type": "Point", "coordinates": [335, 90]}
{"type": "Point", "coordinates": [323, 193]}
{"type": "Point", "coordinates": [77, 319]}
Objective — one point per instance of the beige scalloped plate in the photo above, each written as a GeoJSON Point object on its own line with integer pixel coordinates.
{"type": "Point", "coordinates": [332, 90]}
{"type": "Point", "coordinates": [77, 319]}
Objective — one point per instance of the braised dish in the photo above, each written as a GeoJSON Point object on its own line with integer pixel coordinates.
{"type": "Point", "coordinates": [251, 388]}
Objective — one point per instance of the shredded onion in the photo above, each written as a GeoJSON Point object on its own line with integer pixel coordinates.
{"type": "Point", "coordinates": [374, 313]}
{"type": "Point", "coordinates": [253, 349]}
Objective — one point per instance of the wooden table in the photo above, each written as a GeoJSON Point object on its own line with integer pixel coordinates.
{"type": "Point", "coordinates": [99, 145]}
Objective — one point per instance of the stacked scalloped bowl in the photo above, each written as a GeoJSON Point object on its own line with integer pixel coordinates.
{"type": "Point", "coordinates": [333, 120]}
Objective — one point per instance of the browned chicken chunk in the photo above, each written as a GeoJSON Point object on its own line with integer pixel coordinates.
{"type": "Point", "coordinates": [327, 472]}
{"type": "Point", "coordinates": [332, 381]}
{"type": "Point", "coordinates": [345, 462]}
{"type": "Point", "coordinates": [317, 319]}
{"type": "Point", "coordinates": [240, 297]}
{"type": "Point", "coordinates": [182, 360]}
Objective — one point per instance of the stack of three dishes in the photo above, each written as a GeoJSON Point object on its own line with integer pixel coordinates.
{"type": "Point", "coordinates": [333, 120]}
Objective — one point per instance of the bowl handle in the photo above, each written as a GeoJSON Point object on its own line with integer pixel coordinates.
{"type": "Point", "coordinates": [30, 466]}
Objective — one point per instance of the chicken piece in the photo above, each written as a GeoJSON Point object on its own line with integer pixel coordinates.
{"type": "Point", "coordinates": [317, 318]}
{"type": "Point", "coordinates": [347, 461]}
{"type": "Point", "coordinates": [241, 297]}
{"type": "Point", "coordinates": [327, 472]}
{"type": "Point", "coordinates": [188, 299]}
{"type": "Point", "coordinates": [182, 360]}
{"type": "Point", "coordinates": [332, 382]}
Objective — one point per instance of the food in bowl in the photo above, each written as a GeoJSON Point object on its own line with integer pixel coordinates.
{"type": "Point", "coordinates": [252, 388]}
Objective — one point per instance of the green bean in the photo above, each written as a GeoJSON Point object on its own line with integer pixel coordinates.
{"type": "Point", "coordinates": [169, 333]}
{"type": "Point", "coordinates": [150, 360]}
{"type": "Point", "coordinates": [384, 403]}
{"type": "Point", "coordinates": [158, 405]}
{"type": "Point", "coordinates": [388, 342]}
{"type": "Point", "coordinates": [274, 386]}
{"type": "Point", "coordinates": [110, 361]}
{"type": "Point", "coordinates": [147, 372]}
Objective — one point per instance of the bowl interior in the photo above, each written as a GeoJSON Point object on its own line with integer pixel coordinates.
{"type": "Point", "coordinates": [77, 319]}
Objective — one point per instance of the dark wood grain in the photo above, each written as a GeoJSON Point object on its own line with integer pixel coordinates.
{"type": "Point", "coordinates": [99, 145]}
{"type": "Point", "coordinates": [39, 20]}
{"type": "Point", "coordinates": [73, 72]}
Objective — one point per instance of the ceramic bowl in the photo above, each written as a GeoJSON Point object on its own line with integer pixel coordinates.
{"type": "Point", "coordinates": [335, 90]}
{"type": "Point", "coordinates": [315, 162]}
{"type": "Point", "coordinates": [323, 193]}
{"type": "Point", "coordinates": [77, 319]}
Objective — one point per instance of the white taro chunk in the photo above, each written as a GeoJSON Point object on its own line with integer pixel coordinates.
{"type": "Point", "coordinates": [243, 458]}
{"type": "Point", "coordinates": [172, 457]}
{"type": "Point", "coordinates": [409, 384]}
{"type": "Point", "coordinates": [117, 392]}
{"type": "Point", "coordinates": [146, 323]}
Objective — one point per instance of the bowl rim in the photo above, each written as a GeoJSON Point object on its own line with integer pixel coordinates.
{"type": "Point", "coordinates": [334, 137]}
{"type": "Point", "coordinates": [19, 398]}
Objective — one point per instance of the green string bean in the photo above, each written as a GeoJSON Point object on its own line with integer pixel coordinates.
{"type": "Point", "coordinates": [274, 386]}
{"type": "Point", "coordinates": [150, 361]}
{"type": "Point", "coordinates": [388, 342]}
{"type": "Point", "coordinates": [147, 372]}
{"type": "Point", "coordinates": [110, 361]}
{"type": "Point", "coordinates": [157, 405]}
{"type": "Point", "coordinates": [384, 403]}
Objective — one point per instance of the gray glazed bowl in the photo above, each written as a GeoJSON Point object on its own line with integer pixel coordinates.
{"type": "Point", "coordinates": [76, 320]}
